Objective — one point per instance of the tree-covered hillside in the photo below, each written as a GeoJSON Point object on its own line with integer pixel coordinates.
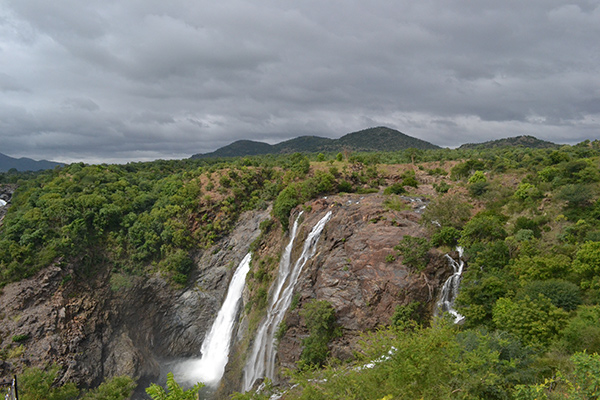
{"type": "Point", "coordinates": [368, 140]}
{"type": "Point", "coordinates": [528, 219]}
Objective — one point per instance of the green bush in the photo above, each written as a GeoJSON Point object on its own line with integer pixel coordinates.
{"type": "Point", "coordinates": [535, 321]}
{"type": "Point", "coordinates": [448, 210]}
{"type": "Point", "coordinates": [319, 317]}
{"type": "Point", "coordinates": [414, 251]}
{"type": "Point", "coordinates": [446, 236]}
{"type": "Point", "coordinates": [582, 333]}
{"type": "Point", "coordinates": [396, 188]}
{"type": "Point", "coordinates": [20, 338]}
{"type": "Point", "coordinates": [563, 294]}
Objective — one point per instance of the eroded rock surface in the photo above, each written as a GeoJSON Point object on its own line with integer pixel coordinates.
{"type": "Point", "coordinates": [97, 327]}
{"type": "Point", "coordinates": [352, 271]}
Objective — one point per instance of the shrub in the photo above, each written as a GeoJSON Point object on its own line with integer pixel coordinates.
{"type": "Point", "coordinates": [414, 251]}
{"type": "Point", "coordinates": [319, 316]}
{"type": "Point", "coordinates": [447, 236]}
{"type": "Point", "coordinates": [482, 228]}
{"type": "Point", "coordinates": [449, 210]}
{"type": "Point", "coordinates": [478, 189]}
{"type": "Point", "coordinates": [396, 188]}
{"type": "Point", "coordinates": [443, 187]}
{"type": "Point", "coordinates": [477, 177]}
{"type": "Point", "coordinates": [20, 338]}
{"type": "Point", "coordinates": [534, 321]}
{"type": "Point", "coordinates": [583, 331]}
{"type": "Point", "coordinates": [563, 294]}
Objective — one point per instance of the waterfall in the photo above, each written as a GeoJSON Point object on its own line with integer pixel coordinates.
{"type": "Point", "coordinates": [450, 288]}
{"type": "Point", "coordinates": [215, 349]}
{"type": "Point", "coordinates": [262, 359]}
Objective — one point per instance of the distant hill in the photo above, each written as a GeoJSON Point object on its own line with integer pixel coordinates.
{"type": "Point", "coordinates": [524, 141]}
{"type": "Point", "coordinates": [24, 164]}
{"type": "Point", "coordinates": [372, 139]}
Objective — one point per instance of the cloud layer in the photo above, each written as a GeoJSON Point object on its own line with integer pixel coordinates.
{"type": "Point", "coordinates": [115, 81]}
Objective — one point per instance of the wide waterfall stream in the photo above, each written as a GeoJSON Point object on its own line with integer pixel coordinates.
{"type": "Point", "coordinates": [450, 288]}
{"type": "Point", "coordinates": [215, 348]}
{"type": "Point", "coordinates": [261, 362]}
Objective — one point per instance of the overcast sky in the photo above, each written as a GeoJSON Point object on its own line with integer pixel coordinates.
{"type": "Point", "coordinates": [125, 80]}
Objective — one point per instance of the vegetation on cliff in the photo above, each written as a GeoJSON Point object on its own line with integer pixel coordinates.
{"type": "Point", "coordinates": [529, 220]}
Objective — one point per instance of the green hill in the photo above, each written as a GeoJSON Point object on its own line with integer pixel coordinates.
{"type": "Point", "coordinates": [523, 141]}
{"type": "Point", "coordinates": [373, 139]}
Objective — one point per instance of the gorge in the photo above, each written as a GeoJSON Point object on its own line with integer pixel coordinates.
{"type": "Point", "coordinates": [336, 252]}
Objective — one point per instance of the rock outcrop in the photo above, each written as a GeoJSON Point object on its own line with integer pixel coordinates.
{"type": "Point", "coordinates": [355, 269]}
{"type": "Point", "coordinates": [98, 325]}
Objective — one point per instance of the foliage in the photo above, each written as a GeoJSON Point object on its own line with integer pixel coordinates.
{"type": "Point", "coordinates": [421, 363]}
{"type": "Point", "coordinates": [464, 170]}
{"type": "Point", "coordinates": [396, 188]}
{"type": "Point", "coordinates": [119, 387]}
{"type": "Point", "coordinates": [447, 211]}
{"type": "Point", "coordinates": [406, 315]}
{"type": "Point", "coordinates": [482, 228]}
{"type": "Point", "coordinates": [478, 295]}
{"type": "Point", "coordinates": [534, 321]}
{"type": "Point", "coordinates": [38, 384]}
{"type": "Point", "coordinates": [540, 267]}
{"type": "Point", "coordinates": [583, 331]}
{"type": "Point", "coordinates": [563, 294]}
{"type": "Point", "coordinates": [319, 317]}
{"type": "Point", "coordinates": [20, 338]}
{"type": "Point", "coordinates": [446, 236]}
{"type": "Point", "coordinates": [414, 251]}
{"type": "Point", "coordinates": [587, 265]}
{"type": "Point", "coordinates": [173, 391]}
{"type": "Point", "coordinates": [581, 383]}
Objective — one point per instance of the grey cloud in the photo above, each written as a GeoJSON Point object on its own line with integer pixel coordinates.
{"type": "Point", "coordinates": [121, 80]}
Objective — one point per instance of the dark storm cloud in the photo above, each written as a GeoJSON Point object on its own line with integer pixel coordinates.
{"type": "Point", "coordinates": [128, 80]}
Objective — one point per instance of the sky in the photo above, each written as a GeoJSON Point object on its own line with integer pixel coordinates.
{"type": "Point", "coordinates": [136, 80]}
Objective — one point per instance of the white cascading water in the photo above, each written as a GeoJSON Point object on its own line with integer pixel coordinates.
{"type": "Point", "coordinates": [262, 359]}
{"type": "Point", "coordinates": [215, 349]}
{"type": "Point", "coordinates": [450, 288]}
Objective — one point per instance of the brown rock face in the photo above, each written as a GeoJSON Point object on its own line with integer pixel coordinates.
{"type": "Point", "coordinates": [97, 327]}
{"type": "Point", "coordinates": [356, 269]}
{"type": "Point", "coordinates": [352, 270]}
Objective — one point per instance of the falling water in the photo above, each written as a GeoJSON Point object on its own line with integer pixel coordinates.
{"type": "Point", "coordinates": [450, 288]}
{"type": "Point", "coordinates": [215, 348]}
{"type": "Point", "coordinates": [262, 359]}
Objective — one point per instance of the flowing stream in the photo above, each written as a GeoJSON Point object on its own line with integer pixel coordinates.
{"type": "Point", "coordinates": [215, 349]}
{"type": "Point", "coordinates": [450, 288]}
{"type": "Point", "coordinates": [261, 362]}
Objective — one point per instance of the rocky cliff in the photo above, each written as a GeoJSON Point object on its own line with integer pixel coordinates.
{"type": "Point", "coordinates": [103, 324]}
{"type": "Point", "coordinates": [100, 325]}
{"type": "Point", "coordinates": [352, 271]}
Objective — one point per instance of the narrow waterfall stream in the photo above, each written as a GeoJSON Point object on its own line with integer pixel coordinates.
{"type": "Point", "coordinates": [450, 288]}
{"type": "Point", "coordinates": [261, 362]}
{"type": "Point", "coordinates": [215, 349]}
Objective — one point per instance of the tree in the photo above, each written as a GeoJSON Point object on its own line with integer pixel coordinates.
{"type": "Point", "coordinates": [117, 388]}
{"type": "Point", "coordinates": [38, 384]}
{"type": "Point", "coordinates": [587, 265]}
{"type": "Point", "coordinates": [534, 321]}
{"type": "Point", "coordinates": [414, 251]}
{"type": "Point", "coordinates": [482, 228]}
{"type": "Point", "coordinates": [449, 210]}
{"type": "Point", "coordinates": [319, 316]}
{"type": "Point", "coordinates": [173, 391]}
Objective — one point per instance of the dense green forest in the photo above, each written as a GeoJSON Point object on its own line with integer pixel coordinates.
{"type": "Point", "coordinates": [528, 219]}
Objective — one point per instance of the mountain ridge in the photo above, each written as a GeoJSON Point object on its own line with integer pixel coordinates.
{"type": "Point", "coordinates": [379, 138]}
{"type": "Point", "coordinates": [25, 164]}
{"type": "Point", "coordinates": [522, 140]}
